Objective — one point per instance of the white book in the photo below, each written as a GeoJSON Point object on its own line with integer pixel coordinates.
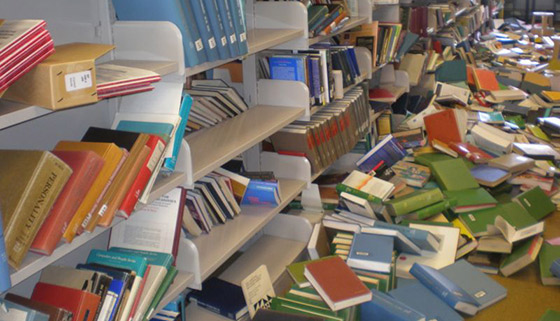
{"type": "Point", "coordinates": [333, 223]}
{"type": "Point", "coordinates": [492, 139]}
{"type": "Point", "coordinates": [357, 205]}
{"type": "Point", "coordinates": [444, 256]}
{"type": "Point", "coordinates": [512, 234]}
{"type": "Point", "coordinates": [370, 184]}
{"type": "Point", "coordinates": [417, 121]}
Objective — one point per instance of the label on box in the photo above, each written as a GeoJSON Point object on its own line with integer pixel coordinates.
{"type": "Point", "coordinates": [78, 80]}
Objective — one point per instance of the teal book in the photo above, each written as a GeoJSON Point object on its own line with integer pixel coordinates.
{"type": "Point", "coordinates": [11, 311]}
{"type": "Point", "coordinates": [199, 43]}
{"type": "Point", "coordinates": [218, 31]}
{"type": "Point", "coordinates": [186, 104]}
{"type": "Point", "coordinates": [5, 280]}
{"type": "Point", "coordinates": [227, 22]}
{"type": "Point", "coordinates": [197, 9]}
{"type": "Point", "coordinates": [135, 263]}
{"type": "Point", "coordinates": [163, 130]}
{"type": "Point", "coordinates": [452, 71]}
{"type": "Point", "coordinates": [237, 9]}
{"type": "Point", "coordinates": [409, 40]}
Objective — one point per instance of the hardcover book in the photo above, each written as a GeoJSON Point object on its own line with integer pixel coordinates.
{"type": "Point", "coordinates": [17, 312]}
{"type": "Point", "coordinates": [385, 307]}
{"type": "Point", "coordinates": [536, 202]}
{"type": "Point", "coordinates": [548, 256]}
{"type": "Point", "coordinates": [471, 199]}
{"type": "Point", "coordinates": [54, 313]}
{"type": "Point", "coordinates": [220, 297]}
{"type": "Point", "coordinates": [516, 224]}
{"type": "Point", "coordinates": [453, 175]}
{"type": "Point", "coordinates": [82, 304]}
{"type": "Point", "coordinates": [387, 152]}
{"type": "Point", "coordinates": [525, 254]}
{"type": "Point", "coordinates": [371, 252]}
{"type": "Point", "coordinates": [413, 201]}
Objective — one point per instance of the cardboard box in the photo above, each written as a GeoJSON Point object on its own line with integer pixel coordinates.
{"type": "Point", "coordinates": [65, 79]}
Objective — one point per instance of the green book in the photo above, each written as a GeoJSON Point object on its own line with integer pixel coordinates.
{"type": "Point", "coordinates": [408, 222]}
{"type": "Point", "coordinates": [356, 192]}
{"type": "Point", "coordinates": [517, 120]}
{"type": "Point", "coordinates": [516, 224]}
{"type": "Point", "coordinates": [301, 299]}
{"type": "Point", "coordinates": [477, 221]}
{"type": "Point", "coordinates": [413, 201]}
{"type": "Point", "coordinates": [295, 270]}
{"type": "Point", "coordinates": [290, 306]}
{"type": "Point", "coordinates": [167, 281]}
{"type": "Point", "coordinates": [550, 315]}
{"type": "Point", "coordinates": [431, 210]}
{"type": "Point", "coordinates": [549, 253]}
{"type": "Point", "coordinates": [471, 199]}
{"type": "Point", "coordinates": [536, 202]}
{"type": "Point", "coordinates": [523, 255]}
{"type": "Point", "coordinates": [453, 175]}
{"type": "Point", "coordinates": [384, 280]}
{"type": "Point", "coordinates": [538, 132]}
{"type": "Point", "coordinates": [431, 158]}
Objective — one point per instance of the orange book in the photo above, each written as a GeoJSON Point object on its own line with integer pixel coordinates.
{"type": "Point", "coordinates": [113, 156]}
{"type": "Point", "coordinates": [470, 76]}
{"type": "Point", "coordinates": [333, 24]}
{"type": "Point", "coordinates": [486, 80]}
{"type": "Point", "coordinates": [443, 127]}
{"type": "Point", "coordinates": [82, 304]}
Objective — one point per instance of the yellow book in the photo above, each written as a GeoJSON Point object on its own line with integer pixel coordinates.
{"type": "Point", "coordinates": [113, 157]}
{"type": "Point", "coordinates": [467, 242]}
{"type": "Point", "coordinates": [553, 96]}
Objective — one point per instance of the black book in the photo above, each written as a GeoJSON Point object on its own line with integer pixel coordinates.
{"type": "Point", "coordinates": [121, 138]}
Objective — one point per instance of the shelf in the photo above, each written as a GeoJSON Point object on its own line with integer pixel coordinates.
{"type": "Point", "coordinates": [164, 184]}
{"type": "Point", "coordinates": [213, 147]}
{"type": "Point", "coordinates": [180, 284]}
{"type": "Point", "coordinates": [33, 262]}
{"type": "Point", "coordinates": [275, 252]}
{"type": "Point", "coordinates": [353, 22]}
{"type": "Point", "coordinates": [12, 113]}
{"type": "Point", "coordinates": [257, 40]}
{"type": "Point", "coordinates": [217, 246]}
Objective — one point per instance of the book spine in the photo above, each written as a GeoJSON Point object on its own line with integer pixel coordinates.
{"type": "Point", "coordinates": [139, 294]}
{"type": "Point", "coordinates": [195, 32]}
{"type": "Point", "coordinates": [5, 280]}
{"type": "Point", "coordinates": [217, 28]}
{"type": "Point", "coordinates": [356, 192]}
{"type": "Point", "coordinates": [165, 284]}
{"type": "Point", "coordinates": [201, 19]}
{"type": "Point", "coordinates": [436, 287]}
{"type": "Point", "coordinates": [416, 202]}
{"type": "Point", "coordinates": [238, 12]}
{"type": "Point", "coordinates": [434, 209]}
{"type": "Point", "coordinates": [157, 145]}
{"type": "Point", "coordinates": [48, 180]}
{"type": "Point", "coordinates": [186, 104]}
{"type": "Point", "coordinates": [227, 22]}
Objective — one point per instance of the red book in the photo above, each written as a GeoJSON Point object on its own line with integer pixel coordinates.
{"type": "Point", "coordinates": [381, 95]}
{"type": "Point", "coordinates": [156, 145]}
{"type": "Point", "coordinates": [85, 165]}
{"type": "Point", "coordinates": [82, 304]}
{"type": "Point", "coordinates": [337, 284]}
{"type": "Point", "coordinates": [471, 152]}
{"type": "Point", "coordinates": [486, 80]}
{"type": "Point", "coordinates": [179, 225]}
{"type": "Point", "coordinates": [443, 127]}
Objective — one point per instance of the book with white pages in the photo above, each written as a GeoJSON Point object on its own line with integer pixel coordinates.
{"type": "Point", "coordinates": [110, 75]}
{"type": "Point", "coordinates": [358, 218]}
{"type": "Point", "coordinates": [357, 205]}
{"type": "Point", "coordinates": [336, 224]}
{"type": "Point", "coordinates": [402, 243]}
{"type": "Point", "coordinates": [499, 96]}
{"type": "Point", "coordinates": [492, 139]}
{"type": "Point", "coordinates": [212, 202]}
{"type": "Point", "coordinates": [225, 184]}
{"type": "Point", "coordinates": [16, 32]}
{"type": "Point", "coordinates": [205, 207]}
{"type": "Point", "coordinates": [450, 93]}
{"type": "Point", "coordinates": [370, 184]}
{"type": "Point", "coordinates": [417, 121]}
{"type": "Point", "coordinates": [218, 194]}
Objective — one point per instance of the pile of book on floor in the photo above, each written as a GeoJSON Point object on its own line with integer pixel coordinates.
{"type": "Point", "coordinates": [211, 30]}
{"type": "Point", "coordinates": [23, 44]}
{"type": "Point", "coordinates": [119, 284]}
{"type": "Point", "coordinates": [50, 197]}
{"type": "Point", "coordinates": [114, 79]}
{"type": "Point", "coordinates": [214, 102]}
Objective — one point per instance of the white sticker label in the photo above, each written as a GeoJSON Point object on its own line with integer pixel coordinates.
{"type": "Point", "coordinates": [78, 80]}
{"type": "Point", "coordinates": [242, 37]}
{"type": "Point", "coordinates": [232, 38]}
{"type": "Point", "coordinates": [224, 41]}
{"type": "Point", "coordinates": [212, 43]}
{"type": "Point", "coordinates": [199, 45]}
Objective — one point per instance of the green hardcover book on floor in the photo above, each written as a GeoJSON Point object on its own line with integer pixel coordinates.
{"type": "Point", "coordinates": [550, 315]}
{"type": "Point", "coordinates": [431, 210]}
{"type": "Point", "coordinates": [431, 158]}
{"type": "Point", "coordinates": [516, 224]}
{"type": "Point", "coordinates": [471, 199]}
{"type": "Point", "coordinates": [292, 306]}
{"type": "Point", "coordinates": [477, 221]}
{"type": "Point", "coordinates": [523, 255]}
{"type": "Point", "coordinates": [549, 253]}
{"type": "Point", "coordinates": [413, 201]}
{"type": "Point", "coordinates": [536, 202]}
{"type": "Point", "coordinates": [453, 175]}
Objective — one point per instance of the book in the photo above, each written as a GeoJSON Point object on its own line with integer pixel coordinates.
{"type": "Point", "coordinates": [54, 313]}
{"type": "Point", "coordinates": [122, 260]}
{"type": "Point", "coordinates": [425, 240]}
{"type": "Point", "coordinates": [512, 162]}
{"type": "Point", "coordinates": [270, 315]}
{"type": "Point", "coordinates": [113, 158]}
{"type": "Point", "coordinates": [516, 224]}
{"type": "Point", "coordinates": [318, 245]}
{"type": "Point", "coordinates": [413, 201]}
{"type": "Point", "coordinates": [548, 255]}
{"type": "Point", "coordinates": [445, 289]}
{"type": "Point", "coordinates": [262, 193]}
{"type": "Point", "coordinates": [494, 244]}
{"type": "Point", "coordinates": [413, 174]}
{"type": "Point", "coordinates": [388, 151]}
{"type": "Point", "coordinates": [489, 176]}
{"type": "Point", "coordinates": [521, 256]}
{"type": "Point", "coordinates": [536, 202]}
{"type": "Point", "coordinates": [295, 270]}
{"type": "Point", "coordinates": [165, 284]}
{"type": "Point", "coordinates": [401, 242]}
{"type": "Point", "coordinates": [471, 152]}
{"type": "Point", "coordinates": [220, 297]}
{"type": "Point", "coordinates": [203, 25]}
{"type": "Point", "coordinates": [467, 242]}
{"type": "Point", "coordinates": [85, 166]}
{"type": "Point", "coordinates": [452, 71]}
{"type": "Point", "coordinates": [550, 315]}
{"type": "Point", "coordinates": [337, 284]}
{"type": "Point", "coordinates": [485, 80]}
{"type": "Point", "coordinates": [492, 139]}
{"type": "Point", "coordinates": [478, 222]}
{"type": "Point", "coordinates": [371, 252]}
{"type": "Point", "coordinates": [536, 151]}
{"type": "Point", "coordinates": [386, 307]}
{"type": "Point", "coordinates": [81, 303]}
{"type": "Point", "coordinates": [5, 279]}
{"type": "Point", "coordinates": [30, 182]}
{"type": "Point", "coordinates": [17, 312]}
{"type": "Point", "coordinates": [453, 175]}
{"type": "Point", "coordinates": [471, 199]}
{"type": "Point", "coordinates": [419, 297]}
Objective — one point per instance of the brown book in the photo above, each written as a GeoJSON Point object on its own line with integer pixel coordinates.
{"type": "Point", "coordinates": [54, 313]}
{"type": "Point", "coordinates": [113, 157]}
{"type": "Point", "coordinates": [297, 140]}
{"type": "Point", "coordinates": [30, 182]}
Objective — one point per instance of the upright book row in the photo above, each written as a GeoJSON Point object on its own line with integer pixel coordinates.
{"type": "Point", "coordinates": [211, 29]}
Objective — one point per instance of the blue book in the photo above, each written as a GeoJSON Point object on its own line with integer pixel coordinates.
{"type": "Point", "coordinates": [388, 150]}
{"type": "Point", "coordinates": [384, 307]}
{"type": "Point", "coordinates": [423, 239]}
{"type": "Point", "coordinates": [261, 193]}
{"type": "Point", "coordinates": [354, 61]}
{"type": "Point", "coordinates": [555, 268]}
{"type": "Point", "coordinates": [217, 28]}
{"type": "Point", "coordinates": [186, 104]}
{"type": "Point", "coordinates": [199, 43]}
{"type": "Point", "coordinates": [227, 22]}
{"type": "Point", "coordinates": [418, 297]}
{"type": "Point", "coordinates": [5, 280]}
{"type": "Point", "coordinates": [469, 278]}
{"type": "Point", "coordinates": [237, 9]}
{"type": "Point", "coordinates": [371, 252]}
{"type": "Point", "coordinates": [409, 40]}
{"type": "Point", "coordinates": [220, 297]}
{"type": "Point", "coordinates": [163, 130]}
{"type": "Point", "coordinates": [14, 311]}
{"type": "Point", "coordinates": [177, 305]}
{"type": "Point", "coordinates": [203, 24]}
{"type": "Point", "coordinates": [166, 10]}
{"type": "Point", "coordinates": [117, 286]}
{"type": "Point", "coordinates": [445, 289]}
{"type": "Point", "coordinates": [287, 68]}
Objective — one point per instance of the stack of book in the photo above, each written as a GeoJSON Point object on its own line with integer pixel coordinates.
{"type": "Point", "coordinates": [119, 284]}
{"type": "Point", "coordinates": [117, 80]}
{"type": "Point", "coordinates": [326, 17]}
{"type": "Point", "coordinates": [24, 44]}
{"type": "Point", "coordinates": [212, 30]}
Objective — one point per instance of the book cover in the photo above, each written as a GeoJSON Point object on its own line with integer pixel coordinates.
{"type": "Point", "coordinates": [516, 223]}
{"type": "Point", "coordinates": [443, 126]}
{"type": "Point", "coordinates": [453, 175]}
{"type": "Point", "coordinates": [337, 284]}
{"type": "Point", "coordinates": [477, 222]}
{"type": "Point", "coordinates": [201, 18]}
{"type": "Point", "coordinates": [388, 151]}
{"type": "Point", "coordinates": [30, 182]}
{"type": "Point", "coordinates": [473, 153]}
{"type": "Point", "coordinates": [295, 270]}
{"type": "Point", "coordinates": [262, 193]}
{"type": "Point", "coordinates": [165, 284]}
{"type": "Point", "coordinates": [385, 307]}
{"type": "Point", "coordinates": [413, 174]}
{"type": "Point", "coordinates": [226, 17]}
{"type": "Point", "coordinates": [186, 104]}
{"type": "Point", "coordinates": [548, 255]}
{"type": "Point", "coordinates": [445, 289]}
{"type": "Point", "coordinates": [371, 252]}
{"type": "Point", "coordinates": [85, 166]}
{"type": "Point", "coordinates": [512, 162]}
{"type": "Point", "coordinates": [425, 240]}
{"type": "Point", "coordinates": [413, 201]}
{"type": "Point", "coordinates": [452, 71]}
{"type": "Point", "coordinates": [237, 9]}
{"type": "Point", "coordinates": [82, 304]}
{"type": "Point", "coordinates": [525, 254]}
{"type": "Point", "coordinates": [536, 202]}
{"type": "Point", "coordinates": [220, 297]}
{"type": "Point", "coordinates": [489, 176]}
{"type": "Point", "coordinates": [218, 31]}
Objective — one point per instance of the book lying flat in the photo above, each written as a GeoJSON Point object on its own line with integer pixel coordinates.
{"type": "Point", "coordinates": [385, 307]}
